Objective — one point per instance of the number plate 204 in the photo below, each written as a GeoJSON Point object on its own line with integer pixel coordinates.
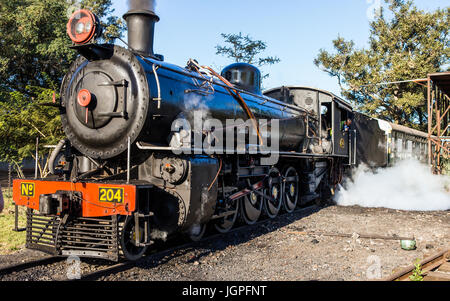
{"type": "Point", "coordinates": [111, 195]}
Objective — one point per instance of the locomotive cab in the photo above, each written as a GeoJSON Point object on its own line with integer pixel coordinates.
{"type": "Point", "coordinates": [341, 126]}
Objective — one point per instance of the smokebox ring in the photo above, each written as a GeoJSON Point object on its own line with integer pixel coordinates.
{"type": "Point", "coordinates": [148, 13]}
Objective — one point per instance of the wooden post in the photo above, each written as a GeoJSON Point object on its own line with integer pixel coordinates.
{"type": "Point", "coordinates": [438, 123]}
{"type": "Point", "coordinates": [36, 166]}
{"type": "Point", "coordinates": [430, 119]}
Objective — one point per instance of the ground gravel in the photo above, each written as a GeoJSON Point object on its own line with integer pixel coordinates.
{"type": "Point", "coordinates": [284, 249]}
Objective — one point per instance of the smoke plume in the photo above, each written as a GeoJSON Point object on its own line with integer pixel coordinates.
{"type": "Point", "coordinates": [142, 4]}
{"type": "Point", "coordinates": [409, 185]}
{"type": "Point", "coordinates": [161, 235]}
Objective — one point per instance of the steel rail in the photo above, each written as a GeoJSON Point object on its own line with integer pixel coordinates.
{"type": "Point", "coordinates": [30, 264]}
{"type": "Point", "coordinates": [427, 265]}
{"type": "Point", "coordinates": [131, 264]}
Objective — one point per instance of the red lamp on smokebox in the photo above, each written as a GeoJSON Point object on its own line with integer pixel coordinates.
{"type": "Point", "coordinates": [83, 27]}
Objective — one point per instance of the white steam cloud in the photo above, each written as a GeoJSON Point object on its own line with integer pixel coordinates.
{"type": "Point", "coordinates": [409, 185]}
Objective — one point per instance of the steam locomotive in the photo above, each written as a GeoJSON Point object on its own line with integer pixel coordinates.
{"type": "Point", "coordinates": [134, 169]}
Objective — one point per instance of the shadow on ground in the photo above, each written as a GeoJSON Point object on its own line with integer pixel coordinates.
{"type": "Point", "coordinates": [220, 242]}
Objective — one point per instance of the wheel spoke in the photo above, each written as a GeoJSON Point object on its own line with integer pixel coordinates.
{"type": "Point", "coordinates": [272, 208]}
{"type": "Point", "coordinates": [290, 189]}
{"type": "Point", "coordinates": [274, 192]}
{"type": "Point", "coordinates": [225, 224]}
{"type": "Point", "coordinates": [251, 208]}
{"type": "Point", "coordinates": [129, 249]}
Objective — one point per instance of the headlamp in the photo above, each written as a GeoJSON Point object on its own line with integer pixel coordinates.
{"type": "Point", "coordinates": [83, 27]}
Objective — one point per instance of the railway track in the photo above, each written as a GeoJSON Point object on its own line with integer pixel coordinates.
{"type": "Point", "coordinates": [127, 265]}
{"type": "Point", "coordinates": [123, 266]}
{"type": "Point", "coordinates": [30, 264]}
{"type": "Point", "coordinates": [433, 268]}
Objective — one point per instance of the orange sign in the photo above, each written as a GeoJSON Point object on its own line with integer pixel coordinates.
{"type": "Point", "coordinates": [98, 200]}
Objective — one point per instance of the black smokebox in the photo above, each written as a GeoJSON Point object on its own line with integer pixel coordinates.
{"type": "Point", "coordinates": [141, 19]}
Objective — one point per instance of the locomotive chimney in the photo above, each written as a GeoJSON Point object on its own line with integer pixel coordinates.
{"type": "Point", "coordinates": [141, 20]}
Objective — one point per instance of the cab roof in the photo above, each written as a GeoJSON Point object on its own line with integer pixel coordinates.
{"type": "Point", "coordinates": [346, 105]}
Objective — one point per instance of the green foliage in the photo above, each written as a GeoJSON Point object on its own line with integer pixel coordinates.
{"type": "Point", "coordinates": [408, 45]}
{"type": "Point", "coordinates": [243, 49]}
{"type": "Point", "coordinates": [445, 166]}
{"type": "Point", "coordinates": [22, 119]}
{"type": "Point", "coordinates": [417, 273]}
{"type": "Point", "coordinates": [11, 241]}
{"type": "Point", "coordinates": [35, 56]}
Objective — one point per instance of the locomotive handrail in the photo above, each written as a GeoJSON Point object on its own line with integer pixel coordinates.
{"type": "Point", "coordinates": [158, 85]}
{"type": "Point", "coordinates": [151, 147]}
{"type": "Point", "coordinates": [308, 128]}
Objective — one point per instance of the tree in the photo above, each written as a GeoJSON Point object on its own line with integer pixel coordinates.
{"type": "Point", "coordinates": [21, 121]}
{"type": "Point", "coordinates": [35, 56]}
{"type": "Point", "coordinates": [409, 45]}
{"type": "Point", "coordinates": [243, 49]}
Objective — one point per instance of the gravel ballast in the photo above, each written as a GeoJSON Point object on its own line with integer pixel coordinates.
{"type": "Point", "coordinates": [289, 248]}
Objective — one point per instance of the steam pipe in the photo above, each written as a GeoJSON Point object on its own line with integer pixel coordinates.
{"type": "Point", "coordinates": [56, 151]}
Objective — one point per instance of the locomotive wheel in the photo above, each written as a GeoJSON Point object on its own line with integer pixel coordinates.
{"type": "Point", "coordinates": [272, 204]}
{"type": "Point", "coordinates": [290, 189]}
{"type": "Point", "coordinates": [128, 240]}
{"type": "Point", "coordinates": [251, 209]}
{"type": "Point", "coordinates": [225, 224]}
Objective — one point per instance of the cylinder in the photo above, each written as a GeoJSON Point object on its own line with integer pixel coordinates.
{"type": "Point", "coordinates": [141, 30]}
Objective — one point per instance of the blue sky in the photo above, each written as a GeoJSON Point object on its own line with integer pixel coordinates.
{"type": "Point", "coordinates": [294, 30]}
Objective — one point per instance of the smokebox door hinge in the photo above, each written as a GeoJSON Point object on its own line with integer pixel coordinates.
{"type": "Point", "coordinates": [120, 83]}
